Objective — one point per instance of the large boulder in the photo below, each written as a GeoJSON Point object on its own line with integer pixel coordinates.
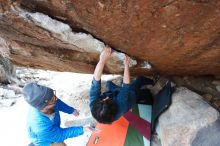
{"type": "Point", "coordinates": [189, 121]}
{"type": "Point", "coordinates": [166, 36]}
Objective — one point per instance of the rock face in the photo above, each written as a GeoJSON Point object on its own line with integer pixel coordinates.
{"type": "Point", "coordinates": [7, 75]}
{"type": "Point", "coordinates": [175, 37]}
{"type": "Point", "coordinates": [189, 121]}
{"type": "Point", "coordinates": [7, 72]}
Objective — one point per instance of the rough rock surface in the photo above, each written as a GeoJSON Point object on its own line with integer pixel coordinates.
{"type": "Point", "coordinates": [189, 121]}
{"type": "Point", "coordinates": [177, 37]}
{"type": "Point", "coordinates": [206, 86]}
{"type": "Point", "coordinates": [202, 139]}
{"type": "Point", "coordinates": [7, 71]}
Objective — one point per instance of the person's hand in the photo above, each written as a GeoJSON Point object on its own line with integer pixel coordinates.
{"type": "Point", "coordinates": [127, 60]}
{"type": "Point", "coordinates": [106, 54]}
{"type": "Point", "coordinates": [90, 129]}
{"type": "Point", "coordinates": [76, 112]}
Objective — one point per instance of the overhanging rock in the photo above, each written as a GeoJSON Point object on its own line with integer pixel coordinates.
{"type": "Point", "coordinates": [172, 37]}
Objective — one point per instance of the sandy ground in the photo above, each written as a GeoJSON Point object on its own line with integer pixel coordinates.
{"type": "Point", "coordinates": [12, 124]}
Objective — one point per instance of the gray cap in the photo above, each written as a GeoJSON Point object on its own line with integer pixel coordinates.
{"type": "Point", "coordinates": [37, 96]}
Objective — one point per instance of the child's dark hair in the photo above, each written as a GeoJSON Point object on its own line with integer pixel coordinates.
{"type": "Point", "coordinates": [104, 111]}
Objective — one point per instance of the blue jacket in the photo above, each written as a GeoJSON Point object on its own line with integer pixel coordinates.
{"type": "Point", "coordinates": [125, 98]}
{"type": "Point", "coordinates": [43, 131]}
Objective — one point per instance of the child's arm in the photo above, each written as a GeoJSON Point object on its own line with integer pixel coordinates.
{"type": "Point", "coordinates": [126, 78]}
{"type": "Point", "coordinates": [95, 89]}
{"type": "Point", "coordinates": [104, 56]}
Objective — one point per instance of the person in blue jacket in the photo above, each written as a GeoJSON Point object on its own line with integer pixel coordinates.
{"type": "Point", "coordinates": [43, 121]}
{"type": "Point", "coordinates": [111, 105]}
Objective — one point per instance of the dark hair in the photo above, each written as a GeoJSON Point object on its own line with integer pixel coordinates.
{"type": "Point", "coordinates": [104, 111]}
